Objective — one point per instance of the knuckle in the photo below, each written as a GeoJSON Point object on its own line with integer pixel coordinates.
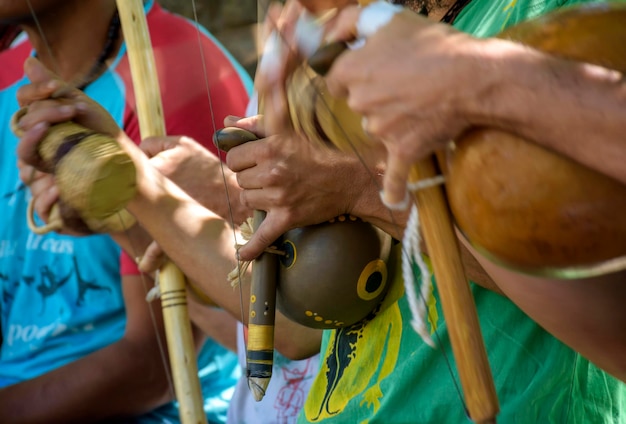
{"type": "Point", "coordinates": [273, 178]}
{"type": "Point", "coordinates": [281, 198]}
{"type": "Point", "coordinates": [264, 151]}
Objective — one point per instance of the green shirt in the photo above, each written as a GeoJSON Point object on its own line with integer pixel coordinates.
{"type": "Point", "coordinates": [484, 18]}
{"type": "Point", "coordinates": [382, 372]}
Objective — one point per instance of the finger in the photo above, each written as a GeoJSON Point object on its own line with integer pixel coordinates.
{"type": "Point", "coordinates": [265, 198]}
{"type": "Point", "coordinates": [243, 156]}
{"type": "Point", "coordinates": [32, 92]}
{"type": "Point", "coordinates": [27, 148]}
{"type": "Point", "coordinates": [363, 22]}
{"type": "Point", "coordinates": [293, 20]}
{"type": "Point", "coordinates": [249, 179]}
{"type": "Point", "coordinates": [42, 184]}
{"type": "Point", "coordinates": [231, 120]}
{"type": "Point", "coordinates": [43, 83]}
{"type": "Point", "coordinates": [50, 111]}
{"type": "Point", "coordinates": [281, 50]}
{"type": "Point", "coordinates": [395, 179]}
{"type": "Point", "coordinates": [45, 200]}
{"type": "Point", "coordinates": [268, 31]}
{"type": "Point", "coordinates": [289, 16]}
{"type": "Point", "coordinates": [37, 72]}
{"type": "Point", "coordinates": [27, 173]}
{"type": "Point", "coordinates": [276, 117]}
{"type": "Point", "coordinates": [175, 151]}
{"type": "Point", "coordinates": [43, 190]}
{"type": "Point", "coordinates": [153, 258]}
{"type": "Point", "coordinates": [271, 18]}
{"type": "Point", "coordinates": [342, 72]}
{"type": "Point", "coordinates": [152, 146]}
{"type": "Point", "coordinates": [254, 124]}
{"type": "Point", "coordinates": [264, 236]}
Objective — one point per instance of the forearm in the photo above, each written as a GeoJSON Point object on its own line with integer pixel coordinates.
{"type": "Point", "coordinates": [215, 323]}
{"type": "Point", "coordinates": [122, 379]}
{"type": "Point", "coordinates": [588, 314]}
{"type": "Point", "coordinates": [193, 237]}
{"type": "Point", "coordinates": [183, 228]}
{"type": "Point", "coordinates": [576, 109]}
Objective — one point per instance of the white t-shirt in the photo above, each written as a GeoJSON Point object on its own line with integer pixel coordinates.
{"type": "Point", "coordinates": [285, 393]}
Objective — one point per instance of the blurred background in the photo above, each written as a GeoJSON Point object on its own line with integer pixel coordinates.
{"type": "Point", "coordinates": [233, 22]}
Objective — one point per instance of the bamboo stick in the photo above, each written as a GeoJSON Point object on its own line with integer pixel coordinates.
{"type": "Point", "coordinates": [180, 343]}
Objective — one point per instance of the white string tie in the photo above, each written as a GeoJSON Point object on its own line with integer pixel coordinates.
{"type": "Point", "coordinates": [155, 292]}
{"type": "Point", "coordinates": [410, 253]}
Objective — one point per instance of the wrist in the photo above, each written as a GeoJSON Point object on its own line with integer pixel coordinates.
{"type": "Point", "coordinates": [366, 204]}
{"type": "Point", "coordinates": [496, 70]}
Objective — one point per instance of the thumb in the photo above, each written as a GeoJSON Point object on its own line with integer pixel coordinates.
{"type": "Point", "coordinates": [37, 72]}
{"type": "Point", "coordinates": [152, 259]}
{"type": "Point", "coordinates": [152, 146]}
{"type": "Point", "coordinates": [254, 124]}
{"type": "Point", "coordinates": [265, 235]}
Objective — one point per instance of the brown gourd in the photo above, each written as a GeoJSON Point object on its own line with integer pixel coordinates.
{"type": "Point", "coordinates": [527, 207]}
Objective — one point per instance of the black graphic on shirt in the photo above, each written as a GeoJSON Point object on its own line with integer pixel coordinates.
{"type": "Point", "coordinates": [7, 296]}
{"type": "Point", "coordinates": [84, 285]}
{"type": "Point", "coordinates": [20, 187]}
{"type": "Point", "coordinates": [47, 290]}
{"type": "Point", "coordinates": [343, 352]}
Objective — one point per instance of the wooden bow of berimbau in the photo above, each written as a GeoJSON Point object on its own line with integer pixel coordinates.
{"type": "Point", "coordinates": [172, 282]}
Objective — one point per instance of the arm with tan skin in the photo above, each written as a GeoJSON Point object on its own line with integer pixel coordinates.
{"type": "Point", "coordinates": [196, 229]}
{"type": "Point", "coordinates": [193, 227]}
{"type": "Point", "coordinates": [124, 379]}
{"type": "Point", "coordinates": [200, 173]}
{"type": "Point", "coordinates": [559, 104]}
{"type": "Point", "coordinates": [474, 82]}
{"type": "Point", "coordinates": [586, 314]}
{"type": "Point", "coordinates": [214, 322]}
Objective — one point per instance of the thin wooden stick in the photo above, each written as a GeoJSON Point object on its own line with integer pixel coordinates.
{"type": "Point", "coordinates": [261, 319]}
{"type": "Point", "coordinates": [457, 301]}
{"type": "Point", "coordinates": [262, 312]}
{"type": "Point", "coordinates": [174, 300]}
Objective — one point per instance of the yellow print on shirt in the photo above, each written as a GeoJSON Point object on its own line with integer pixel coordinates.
{"type": "Point", "coordinates": [357, 359]}
{"type": "Point", "coordinates": [509, 9]}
